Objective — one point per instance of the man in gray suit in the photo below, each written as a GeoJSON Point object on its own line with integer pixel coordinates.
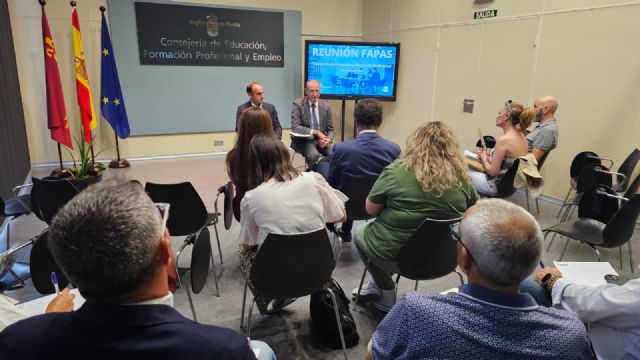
{"type": "Point", "coordinates": [311, 117]}
{"type": "Point", "coordinates": [256, 99]}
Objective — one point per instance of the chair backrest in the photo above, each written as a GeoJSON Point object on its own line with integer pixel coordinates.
{"type": "Point", "coordinates": [580, 160]}
{"type": "Point", "coordinates": [48, 195]}
{"type": "Point", "coordinates": [489, 141]}
{"type": "Point", "coordinates": [228, 205]}
{"type": "Point", "coordinates": [505, 186]}
{"type": "Point", "coordinates": [43, 264]}
{"type": "Point", "coordinates": [627, 167]}
{"type": "Point", "coordinates": [543, 159]}
{"type": "Point", "coordinates": [633, 188]}
{"type": "Point", "coordinates": [290, 266]}
{"type": "Point", "coordinates": [430, 252]}
{"type": "Point", "coordinates": [188, 213]}
{"type": "Point", "coordinates": [620, 229]}
{"type": "Point", "coordinates": [595, 205]}
{"type": "Point", "coordinates": [200, 260]}
{"type": "Point", "coordinates": [357, 191]}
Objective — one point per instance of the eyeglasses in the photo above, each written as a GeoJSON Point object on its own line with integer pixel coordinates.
{"type": "Point", "coordinates": [507, 105]}
{"type": "Point", "coordinates": [163, 208]}
{"type": "Point", "coordinates": [454, 231]}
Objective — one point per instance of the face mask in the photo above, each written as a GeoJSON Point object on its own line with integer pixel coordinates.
{"type": "Point", "coordinates": [538, 116]}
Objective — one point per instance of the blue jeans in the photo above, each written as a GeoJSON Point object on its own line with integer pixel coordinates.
{"type": "Point", "coordinates": [539, 293]}
{"type": "Point", "coordinates": [381, 270]}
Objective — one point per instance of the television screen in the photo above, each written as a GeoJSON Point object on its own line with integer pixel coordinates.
{"type": "Point", "coordinates": [353, 69]}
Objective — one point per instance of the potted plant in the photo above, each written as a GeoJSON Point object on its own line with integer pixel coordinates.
{"type": "Point", "coordinates": [84, 171]}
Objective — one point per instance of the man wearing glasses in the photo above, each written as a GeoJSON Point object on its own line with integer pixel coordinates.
{"type": "Point", "coordinates": [499, 245]}
{"type": "Point", "coordinates": [111, 242]}
{"type": "Point", "coordinates": [544, 137]}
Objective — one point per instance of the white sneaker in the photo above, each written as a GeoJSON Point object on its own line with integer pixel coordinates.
{"type": "Point", "coordinates": [387, 300]}
{"type": "Point", "coordinates": [370, 291]}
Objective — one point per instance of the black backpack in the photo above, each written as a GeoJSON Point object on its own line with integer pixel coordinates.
{"type": "Point", "coordinates": [323, 316]}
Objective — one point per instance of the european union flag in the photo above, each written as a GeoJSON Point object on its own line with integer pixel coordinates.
{"type": "Point", "coordinates": [111, 102]}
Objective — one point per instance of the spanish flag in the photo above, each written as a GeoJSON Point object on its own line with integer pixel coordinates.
{"type": "Point", "coordinates": [88, 115]}
{"type": "Point", "coordinates": [57, 120]}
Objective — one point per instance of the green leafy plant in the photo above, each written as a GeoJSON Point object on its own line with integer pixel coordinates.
{"type": "Point", "coordinates": [84, 167]}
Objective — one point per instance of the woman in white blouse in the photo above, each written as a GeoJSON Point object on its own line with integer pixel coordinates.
{"type": "Point", "coordinates": [281, 200]}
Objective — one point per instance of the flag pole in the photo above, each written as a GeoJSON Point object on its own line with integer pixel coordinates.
{"type": "Point", "coordinates": [118, 163]}
{"type": "Point", "coordinates": [43, 3]}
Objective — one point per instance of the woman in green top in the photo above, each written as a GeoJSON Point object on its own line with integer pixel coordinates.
{"type": "Point", "coordinates": [431, 181]}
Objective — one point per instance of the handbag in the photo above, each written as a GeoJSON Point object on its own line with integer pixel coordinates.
{"type": "Point", "coordinates": [323, 317]}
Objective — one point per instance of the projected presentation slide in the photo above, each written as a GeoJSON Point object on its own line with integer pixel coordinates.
{"type": "Point", "coordinates": [348, 70]}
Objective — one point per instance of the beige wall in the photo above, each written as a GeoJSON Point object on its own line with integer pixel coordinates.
{"type": "Point", "coordinates": [584, 52]}
{"type": "Point", "coordinates": [328, 19]}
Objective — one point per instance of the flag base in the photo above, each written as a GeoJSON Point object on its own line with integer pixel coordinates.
{"type": "Point", "coordinates": [119, 164]}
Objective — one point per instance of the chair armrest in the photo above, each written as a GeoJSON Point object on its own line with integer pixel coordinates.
{"type": "Point", "coordinates": [16, 190]}
{"type": "Point", "coordinates": [604, 193]}
{"type": "Point", "coordinates": [616, 174]}
{"type": "Point", "coordinates": [601, 159]}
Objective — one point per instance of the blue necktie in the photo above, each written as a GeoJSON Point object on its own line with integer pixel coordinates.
{"type": "Point", "coordinates": [315, 117]}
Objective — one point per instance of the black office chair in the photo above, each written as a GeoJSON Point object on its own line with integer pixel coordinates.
{"type": "Point", "coordinates": [625, 171]}
{"type": "Point", "coordinates": [578, 162]}
{"type": "Point", "coordinates": [13, 273]}
{"type": "Point", "coordinates": [213, 218]}
{"type": "Point", "coordinates": [43, 264]}
{"type": "Point", "coordinates": [430, 253]}
{"type": "Point", "coordinates": [199, 267]}
{"type": "Point", "coordinates": [48, 195]}
{"type": "Point", "coordinates": [591, 175]}
{"type": "Point", "coordinates": [12, 208]}
{"type": "Point", "coordinates": [505, 185]}
{"type": "Point", "coordinates": [188, 215]}
{"type": "Point", "coordinates": [357, 191]}
{"type": "Point", "coordinates": [614, 233]}
{"type": "Point", "coordinates": [310, 255]}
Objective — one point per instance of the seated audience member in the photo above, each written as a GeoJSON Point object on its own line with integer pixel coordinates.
{"type": "Point", "coordinates": [10, 313]}
{"type": "Point", "coordinates": [544, 137]}
{"type": "Point", "coordinates": [256, 99]}
{"type": "Point", "coordinates": [310, 116]}
{"type": "Point", "coordinates": [111, 243]}
{"type": "Point", "coordinates": [252, 121]}
{"type": "Point", "coordinates": [612, 311]}
{"type": "Point", "coordinates": [429, 182]}
{"type": "Point", "coordinates": [514, 119]}
{"type": "Point", "coordinates": [364, 156]}
{"type": "Point", "coordinates": [281, 200]}
{"type": "Point", "coordinates": [499, 244]}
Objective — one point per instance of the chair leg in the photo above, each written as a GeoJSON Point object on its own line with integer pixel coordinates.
{"type": "Point", "coordinates": [415, 288]}
{"type": "Point", "coordinates": [598, 253]}
{"type": "Point", "coordinates": [248, 332]}
{"type": "Point", "coordinates": [550, 241]}
{"type": "Point", "coordinates": [244, 301]}
{"type": "Point", "coordinates": [565, 249]}
{"type": "Point", "coordinates": [213, 267]}
{"type": "Point", "coordinates": [8, 233]}
{"type": "Point", "coordinates": [335, 309]}
{"type": "Point", "coordinates": [460, 276]}
{"type": "Point", "coordinates": [537, 206]}
{"type": "Point", "coordinates": [215, 228]}
{"type": "Point", "coordinates": [364, 273]}
{"type": "Point", "coordinates": [620, 248]}
{"type": "Point", "coordinates": [631, 258]}
{"type": "Point", "coordinates": [193, 310]}
{"type": "Point", "coordinates": [564, 202]}
{"type": "Point", "coordinates": [526, 194]}
{"type": "Point", "coordinates": [15, 276]}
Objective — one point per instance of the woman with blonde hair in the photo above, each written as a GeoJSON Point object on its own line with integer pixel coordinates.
{"type": "Point", "coordinates": [431, 181]}
{"type": "Point", "coordinates": [514, 119]}
{"type": "Point", "coordinates": [252, 121]}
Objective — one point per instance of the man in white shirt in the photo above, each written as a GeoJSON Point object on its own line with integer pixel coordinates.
{"type": "Point", "coordinates": [611, 311]}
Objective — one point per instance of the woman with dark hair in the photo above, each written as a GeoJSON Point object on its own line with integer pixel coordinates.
{"type": "Point", "coordinates": [514, 119]}
{"type": "Point", "coordinates": [281, 200]}
{"type": "Point", "coordinates": [252, 121]}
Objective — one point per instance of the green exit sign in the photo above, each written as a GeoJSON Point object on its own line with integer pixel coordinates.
{"type": "Point", "coordinates": [485, 14]}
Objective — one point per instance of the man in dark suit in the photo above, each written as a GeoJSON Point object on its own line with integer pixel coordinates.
{"type": "Point", "coordinates": [256, 97]}
{"type": "Point", "coordinates": [364, 156]}
{"type": "Point", "coordinates": [111, 242]}
{"type": "Point", "coordinates": [311, 125]}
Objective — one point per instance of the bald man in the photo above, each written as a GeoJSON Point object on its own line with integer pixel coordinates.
{"type": "Point", "coordinates": [544, 137]}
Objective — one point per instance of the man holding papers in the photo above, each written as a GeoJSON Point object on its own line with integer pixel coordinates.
{"type": "Point", "coordinates": [111, 242]}
{"type": "Point", "coordinates": [612, 311]}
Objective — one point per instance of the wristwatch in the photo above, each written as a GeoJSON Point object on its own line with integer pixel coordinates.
{"type": "Point", "coordinates": [548, 280]}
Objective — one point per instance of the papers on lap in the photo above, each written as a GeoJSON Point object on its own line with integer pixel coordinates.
{"type": "Point", "coordinates": [472, 161]}
{"type": "Point", "coordinates": [586, 273]}
{"type": "Point", "coordinates": [39, 305]}
{"type": "Point", "coordinates": [295, 134]}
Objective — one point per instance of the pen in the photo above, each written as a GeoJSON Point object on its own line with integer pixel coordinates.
{"type": "Point", "coordinates": [54, 281]}
{"type": "Point", "coordinates": [541, 265]}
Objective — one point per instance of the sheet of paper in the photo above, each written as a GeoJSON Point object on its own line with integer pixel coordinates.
{"type": "Point", "coordinates": [39, 305]}
{"type": "Point", "coordinates": [470, 155]}
{"type": "Point", "coordinates": [295, 134]}
{"type": "Point", "coordinates": [587, 273]}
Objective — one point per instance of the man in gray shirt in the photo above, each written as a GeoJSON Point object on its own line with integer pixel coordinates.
{"type": "Point", "coordinates": [544, 137]}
